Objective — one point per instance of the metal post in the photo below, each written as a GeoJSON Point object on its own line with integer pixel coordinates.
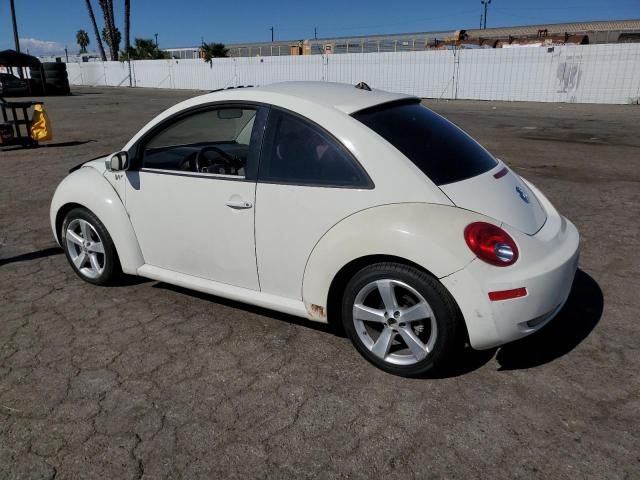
{"type": "Point", "coordinates": [271, 34]}
{"type": "Point", "coordinates": [486, 5]}
{"type": "Point", "coordinates": [16, 38]}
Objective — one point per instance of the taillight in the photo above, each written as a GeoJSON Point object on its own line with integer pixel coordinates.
{"type": "Point", "coordinates": [491, 244]}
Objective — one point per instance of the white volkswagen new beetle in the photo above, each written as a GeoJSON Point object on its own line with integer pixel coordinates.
{"type": "Point", "coordinates": [332, 203]}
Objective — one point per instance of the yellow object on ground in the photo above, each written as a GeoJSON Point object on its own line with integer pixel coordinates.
{"type": "Point", "coordinates": [41, 125]}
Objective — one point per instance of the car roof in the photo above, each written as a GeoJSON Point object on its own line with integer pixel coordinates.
{"type": "Point", "coordinates": [340, 96]}
{"type": "Point", "coordinates": [301, 97]}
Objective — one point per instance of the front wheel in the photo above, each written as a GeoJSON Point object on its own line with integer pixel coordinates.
{"type": "Point", "coordinates": [401, 319]}
{"type": "Point", "coordinates": [88, 247]}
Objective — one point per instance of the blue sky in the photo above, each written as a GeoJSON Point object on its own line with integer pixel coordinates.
{"type": "Point", "coordinates": [46, 26]}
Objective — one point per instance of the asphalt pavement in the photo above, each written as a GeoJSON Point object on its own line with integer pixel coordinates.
{"type": "Point", "coordinates": [146, 380]}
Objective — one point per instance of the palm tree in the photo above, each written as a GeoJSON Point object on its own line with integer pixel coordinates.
{"type": "Point", "coordinates": [108, 39]}
{"type": "Point", "coordinates": [112, 37]}
{"type": "Point", "coordinates": [96, 31]}
{"type": "Point", "coordinates": [127, 25]}
{"type": "Point", "coordinates": [146, 49]}
{"type": "Point", "coordinates": [82, 39]}
{"type": "Point", "coordinates": [208, 51]}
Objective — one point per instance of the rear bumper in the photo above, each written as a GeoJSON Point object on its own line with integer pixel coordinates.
{"type": "Point", "coordinates": [546, 270]}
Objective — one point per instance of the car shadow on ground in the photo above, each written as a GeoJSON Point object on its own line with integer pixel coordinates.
{"type": "Point", "coordinates": [574, 323]}
{"type": "Point", "coordinates": [46, 252]}
{"type": "Point", "coordinates": [121, 281]}
{"type": "Point", "coordinates": [126, 280]}
{"type": "Point", "coordinates": [566, 331]}
{"type": "Point", "coordinates": [283, 317]}
{"type": "Point", "coordinates": [72, 143]}
{"type": "Point", "coordinates": [571, 326]}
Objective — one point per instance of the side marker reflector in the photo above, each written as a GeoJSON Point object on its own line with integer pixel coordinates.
{"type": "Point", "coordinates": [507, 294]}
{"type": "Point", "coordinates": [501, 173]}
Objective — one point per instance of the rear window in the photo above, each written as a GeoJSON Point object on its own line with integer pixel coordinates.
{"type": "Point", "coordinates": [436, 146]}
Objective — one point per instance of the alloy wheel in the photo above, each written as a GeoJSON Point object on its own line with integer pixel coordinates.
{"type": "Point", "coordinates": [395, 322]}
{"type": "Point", "coordinates": [85, 248]}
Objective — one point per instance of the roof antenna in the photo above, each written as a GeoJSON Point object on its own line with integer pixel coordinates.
{"type": "Point", "coordinates": [363, 86]}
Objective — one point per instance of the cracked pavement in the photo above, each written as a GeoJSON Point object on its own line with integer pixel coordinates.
{"type": "Point", "coordinates": [147, 380]}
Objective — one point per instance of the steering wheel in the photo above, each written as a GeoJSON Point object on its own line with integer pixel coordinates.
{"type": "Point", "coordinates": [229, 162]}
{"type": "Point", "coordinates": [189, 162]}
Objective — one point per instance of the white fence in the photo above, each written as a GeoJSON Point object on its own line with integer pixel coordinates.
{"type": "Point", "coordinates": [608, 73]}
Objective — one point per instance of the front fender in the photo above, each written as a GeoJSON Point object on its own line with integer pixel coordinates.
{"type": "Point", "coordinates": [88, 188]}
{"type": "Point", "coordinates": [428, 235]}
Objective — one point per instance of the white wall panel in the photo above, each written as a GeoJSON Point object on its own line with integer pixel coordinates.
{"type": "Point", "coordinates": [607, 73]}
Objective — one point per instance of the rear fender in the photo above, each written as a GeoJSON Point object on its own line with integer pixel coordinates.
{"type": "Point", "coordinates": [88, 188]}
{"type": "Point", "coordinates": [428, 235]}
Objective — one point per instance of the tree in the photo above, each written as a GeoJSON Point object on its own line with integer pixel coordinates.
{"type": "Point", "coordinates": [127, 24]}
{"type": "Point", "coordinates": [111, 34]}
{"type": "Point", "coordinates": [82, 39]}
{"type": "Point", "coordinates": [96, 31]}
{"type": "Point", "coordinates": [146, 49]}
{"type": "Point", "coordinates": [108, 39]}
{"type": "Point", "coordinates": [208, 51]}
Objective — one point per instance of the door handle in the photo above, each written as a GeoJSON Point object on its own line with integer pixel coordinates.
{"type": "Point", "coordinates": [238, 204]}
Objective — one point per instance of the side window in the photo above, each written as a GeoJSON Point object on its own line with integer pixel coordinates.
{"type": "Point", "coordinates": [296, 151]}
{"type": "Point", "coordinates": [216, 141]}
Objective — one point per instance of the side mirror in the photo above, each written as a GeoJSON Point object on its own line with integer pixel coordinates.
{"type": "Point", "coordinates": [117, 162]}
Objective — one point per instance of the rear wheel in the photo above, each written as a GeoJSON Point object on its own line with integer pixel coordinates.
{"type": "Point", "coordinates": [401, 319]}
{"type": "Point", "coordinates": [88, 247]}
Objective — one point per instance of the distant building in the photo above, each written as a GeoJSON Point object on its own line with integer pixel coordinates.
{"type": "Point", "coordinates": [597, 32]}
{"type": "Point", "coordinates": [614, 31]}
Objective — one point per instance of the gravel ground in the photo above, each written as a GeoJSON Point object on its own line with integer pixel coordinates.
{"type": "Point", "coordinates": [146, 380]}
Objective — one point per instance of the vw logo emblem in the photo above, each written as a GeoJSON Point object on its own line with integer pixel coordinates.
{"type": "Point", "coordinates": [523, 194]}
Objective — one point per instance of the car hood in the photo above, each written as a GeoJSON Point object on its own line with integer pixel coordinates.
{"type": "Point", "coordinates": [500, 194]}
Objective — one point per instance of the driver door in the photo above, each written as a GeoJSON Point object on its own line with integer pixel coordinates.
{"type": "Point", "coordinates": [191, 193]}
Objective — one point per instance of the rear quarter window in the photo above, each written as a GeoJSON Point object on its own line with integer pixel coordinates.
{"type": "Point", "coordinates": [443, 152]}
{"type": "Point", "coordinates": [298, 152]}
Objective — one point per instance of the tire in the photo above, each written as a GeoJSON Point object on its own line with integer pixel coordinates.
{"type": "Point", "coordinates": [57, 85]}
{"type": "Point", "coordinates": [36, 89]}
{"type": "Point", "coordinates": [54, 67]}
{"type": "Point", "coordinates": [104, 267]}
{"type": "Point", "coordinates": [379, 332]}
{"type": "Point", "coordinates": [57, 82]}
{"type": "Point", "coordinates": [57, 88]}
{"type": "Point", "coordinates": [56, 76]}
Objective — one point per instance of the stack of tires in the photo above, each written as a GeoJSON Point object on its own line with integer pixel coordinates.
{"type": "Point", "coordinates": [51, 78]}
